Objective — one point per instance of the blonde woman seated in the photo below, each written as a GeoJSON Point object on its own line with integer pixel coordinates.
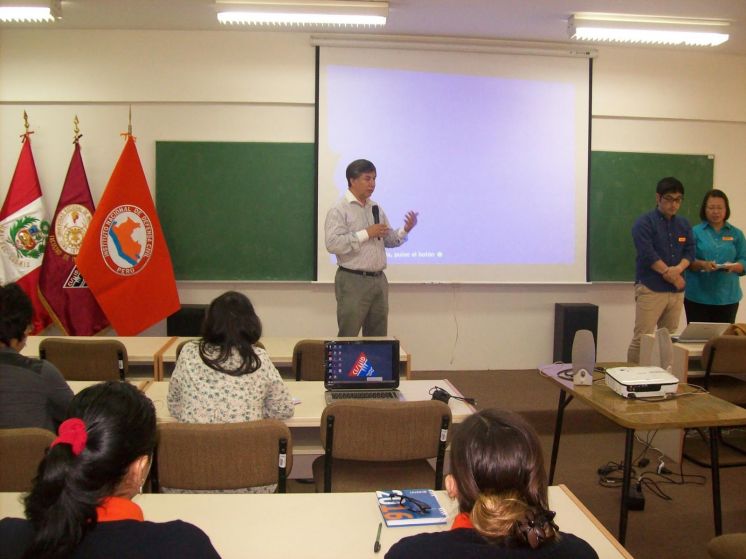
{"type": "Point", "coordinates": [499, 481]}
{"type": "Point", "coordinates": [224, 377]}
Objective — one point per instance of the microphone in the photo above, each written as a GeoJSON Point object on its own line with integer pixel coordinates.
{"type": "Point", "coordinates": [376, 215]}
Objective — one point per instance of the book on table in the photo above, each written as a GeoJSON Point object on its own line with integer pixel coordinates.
{"type": "Point", "coordinates": [410, 507]}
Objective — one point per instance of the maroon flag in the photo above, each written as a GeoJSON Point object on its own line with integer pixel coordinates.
{"type": "Point", "coordinates": [62, 288]}
{"type": "Point", "coordinates": [23, 233]}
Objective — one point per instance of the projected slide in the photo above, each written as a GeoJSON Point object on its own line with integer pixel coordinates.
{"type": "Point", "coordinates": [494, 159]}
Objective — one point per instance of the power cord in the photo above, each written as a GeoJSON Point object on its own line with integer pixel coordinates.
{"type": "Point", "coordinates": [443, 395]}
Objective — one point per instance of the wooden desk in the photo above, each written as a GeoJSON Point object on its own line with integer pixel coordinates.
{"type": "Point", "coordinates": [141, 350]}
{"type": "Point", "coordinates": [696, 410]}
{"type": "Point", "coordinates": [280, 350]}
{"type": "Point", "coordinates": [78, 385]}
{"type": "Point", "coordinates": [320, 525]}
{"type": "Point", "coordinates": [311, 402]}
{"type": "Point", "coordinates": [305, 423]}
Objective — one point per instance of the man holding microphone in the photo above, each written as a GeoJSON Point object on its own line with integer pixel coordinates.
{"type": "Point", "coordinates": [358, 232]}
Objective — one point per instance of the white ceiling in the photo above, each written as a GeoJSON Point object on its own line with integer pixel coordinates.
{"type": "Point", "coordinates": [533, 20]}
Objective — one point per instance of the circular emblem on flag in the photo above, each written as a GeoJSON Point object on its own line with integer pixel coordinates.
{"type": "Point", "coordinates": [29, 236]}
{"type": "Point", "coordinates": [70, 227]}
{"type": "Point", "coordinates": [126, 240]}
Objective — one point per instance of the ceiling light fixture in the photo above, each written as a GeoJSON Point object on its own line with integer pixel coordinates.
{"type": "Point", "coordinates": [302, 12]}
{"type": "Point", "coordinates": [30, 11]}
{"type": "Point", "coordinates": [623, 28]}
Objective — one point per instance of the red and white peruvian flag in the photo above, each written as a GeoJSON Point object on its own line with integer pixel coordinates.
{"type": "Point", "coordinates": [23, 233]}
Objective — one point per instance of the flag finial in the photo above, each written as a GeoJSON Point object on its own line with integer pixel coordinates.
{"type": "Point", "coordinates": [26, 134]}
{"type": "Point", "coordinates": [128, 134]}
{"type": "Point", "coordinates": [76, 130]}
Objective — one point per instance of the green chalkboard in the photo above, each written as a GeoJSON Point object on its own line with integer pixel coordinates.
{"type": "Point", "coordinates": [238, 210]}
{"type": "Point", "coordinates": [622, 187]}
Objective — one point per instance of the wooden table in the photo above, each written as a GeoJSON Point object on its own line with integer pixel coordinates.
{"type": "Point", "coordinates": [280, 350]}
{"type": "Point", "coordinates": [141, 350]}
{"type": "Point", "coordinates": [78, 385]}
{"type": "Point", "coordinates": [689, 410]}
{"type": "Point", "coordinates": [305, 423]}
{"type": "Point", "coordinates": [321, 525]}
{"type": "Point", "coordinates": [159, 350]}
{"type": "Point", "coordinates": [310, 398]}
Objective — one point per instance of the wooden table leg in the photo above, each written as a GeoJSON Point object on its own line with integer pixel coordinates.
{"type": "Point", "coordinates": [626, 478]}
{"type": "Point", "coordinates": [563, 401]}
{"type": "Point", "coordinates": [715, 466]}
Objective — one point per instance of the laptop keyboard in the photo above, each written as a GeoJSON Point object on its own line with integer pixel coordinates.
{"type": "Point", "coordinates": [365, 394]}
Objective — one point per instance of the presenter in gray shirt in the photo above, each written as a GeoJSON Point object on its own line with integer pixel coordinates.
{"type": "Point", "coordinates": [357, 232]}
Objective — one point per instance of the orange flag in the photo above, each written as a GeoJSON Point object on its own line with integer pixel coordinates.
{"type": "Point", "coordinates": [124, 257]}
{"type": "Point", "coordinates": [23, 233]}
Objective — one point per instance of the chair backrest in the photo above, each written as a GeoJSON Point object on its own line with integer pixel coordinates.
{"type": "Point", "coordinates": [21, 450]}
{"type": "Point", "coordinates": [223, 455]}
{"type": "Point", "coordinates": [381, 431]}
{"type": "Point", "coordinates": [725, 354]}
{"type": "Point", "coordinates": [86, 359]}
{"type": "Point", "coordinates": [662, 350]}
{"type": "Point", "coordinates": [308, 360]}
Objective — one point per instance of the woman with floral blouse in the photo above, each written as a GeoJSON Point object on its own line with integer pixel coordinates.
{"type": "Point", "coordinates": [223, 377]}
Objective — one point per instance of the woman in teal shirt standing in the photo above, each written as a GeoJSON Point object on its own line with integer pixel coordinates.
{"type": "Point", "coordinates": [712, 281]}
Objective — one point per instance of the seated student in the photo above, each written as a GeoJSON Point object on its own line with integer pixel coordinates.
{"type": "Point", "coordinates": [499, 481]}
{"type": "Point", "coordinates": [33, 392]}
{"type": "Point", "coordinates": [81, 502]}
{"type": "Point", "coordinates": [224, 377]}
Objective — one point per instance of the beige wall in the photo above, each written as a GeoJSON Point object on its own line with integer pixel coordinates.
{"type": "Point", "coordinates": [244, 86]}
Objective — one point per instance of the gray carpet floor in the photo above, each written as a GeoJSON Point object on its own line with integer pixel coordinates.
{"type": "Point", "coordinates": [677, 527]}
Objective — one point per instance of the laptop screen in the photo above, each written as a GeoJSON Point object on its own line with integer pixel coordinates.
{"type": "Point", "coordinates": [353, 364]}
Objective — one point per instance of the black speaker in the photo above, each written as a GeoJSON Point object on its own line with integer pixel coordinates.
{"type": "Point", "coordinates": [568, 319]}
{"type": "Point", "coordinates": [187, 321]}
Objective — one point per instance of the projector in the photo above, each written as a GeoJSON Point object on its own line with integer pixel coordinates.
{"type": "Point", "coordinates": [641, 382]}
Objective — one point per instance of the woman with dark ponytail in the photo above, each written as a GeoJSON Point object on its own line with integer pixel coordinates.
{"type": "Point", "coordinates": [498, 478]}
{"type": "Point", "coordinates": [81, 501]}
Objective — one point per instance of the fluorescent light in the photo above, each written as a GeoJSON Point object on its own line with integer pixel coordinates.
{"type": "Point", "coordinates": [30, 11]}
{"type": "Point", "coordinates": [302, 12]}
{"type": "Point", "coordinates": [647, 29]}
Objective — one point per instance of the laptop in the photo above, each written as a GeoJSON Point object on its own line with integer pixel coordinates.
{"type": "Point", "coordinates": [361, 368]}
{"type": "Point", "coordinates": [700, 332]}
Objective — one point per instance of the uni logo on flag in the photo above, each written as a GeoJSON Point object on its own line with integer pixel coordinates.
{"type": "Point", "coordinates": [362, 367]}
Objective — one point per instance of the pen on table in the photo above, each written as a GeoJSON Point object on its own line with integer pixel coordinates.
{"type": "Point", "coordinates": [377, 545]}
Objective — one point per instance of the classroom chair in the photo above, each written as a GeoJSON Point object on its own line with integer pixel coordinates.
{"type": "Point", "coordinates": [86, 359]}
{"type": "Point", "coordinates": [375, 444]}
{"type": "Point", "coordinates": [308, 360]}
{"type": "Point", "coordinates": [723, 357]}
{"type": "Point", "coordinates": [219, 456]}
{"type": "Point", "coordinates": [21, 451]}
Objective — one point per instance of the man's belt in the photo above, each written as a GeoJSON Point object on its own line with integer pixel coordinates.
{"type": "Point", "coordinates": [361, 272]}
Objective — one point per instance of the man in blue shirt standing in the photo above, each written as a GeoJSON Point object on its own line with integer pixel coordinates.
{"type": "Point", "coordinates": [665, 248]}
